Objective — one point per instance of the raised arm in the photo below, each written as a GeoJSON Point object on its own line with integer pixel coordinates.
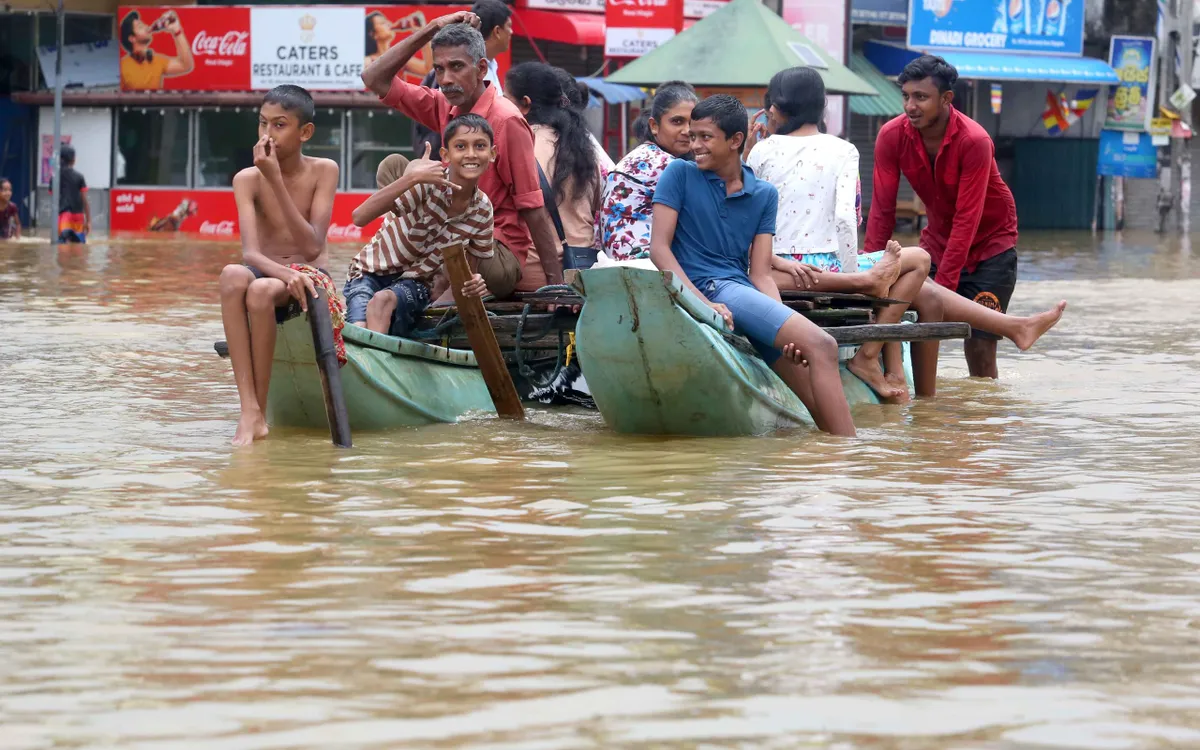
{"type": "Point", "coordinates": [378, 75]}
{"type": "Point", "coordinates": [976, 168]}
{"type": "Point", "coordinates": [886, 184]}
{"type": "Point", "coordinates": [182, 63]}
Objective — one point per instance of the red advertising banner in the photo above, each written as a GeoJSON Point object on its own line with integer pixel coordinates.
{"type": "Point", "coordinates": [635, 27]}
{"type": "Point", "coordinates": [202, 48]}
{"type": "Point", "coordinates": [239, 48]}
{"type": "Point", "coordinates": [212, 214]}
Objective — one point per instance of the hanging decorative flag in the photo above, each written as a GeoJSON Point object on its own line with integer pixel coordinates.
{"type": "Point", "coordinates": [997, 97]}
{"type": "Point", "coordinates": [1082, 101]}
{"type": "Point", "coordinates": [1054, 118]}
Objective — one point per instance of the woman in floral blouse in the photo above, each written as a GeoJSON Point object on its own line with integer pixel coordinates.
{"type": "Point", "coordinates": [627, 202]}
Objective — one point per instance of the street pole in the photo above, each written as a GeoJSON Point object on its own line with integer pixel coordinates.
{"type": "Point", "coordinates": [1180, 146]}
{"type": "Point", "coordinates": [56, 186]}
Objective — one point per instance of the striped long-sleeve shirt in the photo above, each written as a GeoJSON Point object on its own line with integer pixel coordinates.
{"type": "Point", "coordinates": [418, 228]}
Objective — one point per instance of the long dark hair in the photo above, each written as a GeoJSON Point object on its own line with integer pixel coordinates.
{"type": "Point", "coordinates": [372, 45]}
{"type": "Point", "coordinates": [576, 165]}
{"type": "Point", "coordinates": [799, 95]}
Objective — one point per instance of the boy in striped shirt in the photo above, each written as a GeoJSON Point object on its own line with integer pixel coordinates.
{"type": "Point", "coordinates": [431, 207]}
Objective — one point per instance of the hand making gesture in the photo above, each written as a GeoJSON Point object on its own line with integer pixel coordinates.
{"type": "Point", "coordinates": [428, 171]}
{"type": "Point", "coordinates": [266, 158]}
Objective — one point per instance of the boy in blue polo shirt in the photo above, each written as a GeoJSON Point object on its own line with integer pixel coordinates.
{"type": "Point", "coordinates": [712, 220]}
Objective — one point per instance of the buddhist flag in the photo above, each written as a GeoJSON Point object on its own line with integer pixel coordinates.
{"type": "Point", "coordinates": [1055, 116]}
{"type": "Point", "coordinates": [1082, 101]}
{"type": "Point", "coordinates": [997, 98]}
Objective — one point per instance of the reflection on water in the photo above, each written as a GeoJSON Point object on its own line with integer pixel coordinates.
{"type": "Point", "coordinates": [1013, 564]}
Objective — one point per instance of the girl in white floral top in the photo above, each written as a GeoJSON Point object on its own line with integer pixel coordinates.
{"type": "Point", "coordinates": [816, 245]}
{"type": "Point", "coordinates": [627, 202]}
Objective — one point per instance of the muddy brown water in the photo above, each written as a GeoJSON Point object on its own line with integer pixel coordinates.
{"type": "Point", "coordinates": [1014, 564]}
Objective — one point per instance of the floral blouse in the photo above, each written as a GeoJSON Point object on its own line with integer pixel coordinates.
{"type": "Point", "coordinates": [627, 203]}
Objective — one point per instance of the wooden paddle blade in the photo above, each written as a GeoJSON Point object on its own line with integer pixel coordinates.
{"type": "Point", "coordinates": [483, 340]}
{"type": "Point", "coordinates": [327, 365]}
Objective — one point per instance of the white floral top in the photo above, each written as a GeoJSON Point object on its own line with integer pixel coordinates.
{"type": "Point", "coordinates": [820, 198]}
{"type": "Point", "coordinates": [627, 203]}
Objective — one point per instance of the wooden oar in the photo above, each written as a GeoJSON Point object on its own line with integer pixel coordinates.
{"type": "Point", "coordinates": [483, 340]}
{"type": "Point", "coordinates": [327, 365]}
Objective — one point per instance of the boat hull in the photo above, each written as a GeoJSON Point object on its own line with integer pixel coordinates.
{"type": "Point", "coordinates": [658, 362]}
{"type": "Point", "coordinates": [387, 381]}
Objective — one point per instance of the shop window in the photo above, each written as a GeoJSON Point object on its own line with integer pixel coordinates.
{"type": "Point", "coordinates": [225, 145]}
{"type": "Point", "coordinates": [376, 134]}
{"type": "Point", "coordinates": [152, 147]}
{"type": "Point", "coordinates": [329, 134]}
{"type": "Point", "coordinates": [226, 142]}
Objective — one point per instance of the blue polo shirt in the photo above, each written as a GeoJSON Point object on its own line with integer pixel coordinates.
{"type": "Point", "coordinates": [713, 237]}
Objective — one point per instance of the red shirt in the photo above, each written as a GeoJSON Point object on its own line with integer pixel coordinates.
{"type": "Point", "coordinates": [512, 182]}
{"type": "Point", "coordinates": [971, 213]}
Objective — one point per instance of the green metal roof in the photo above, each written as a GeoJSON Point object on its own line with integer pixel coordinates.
{"type": "Point", "coordinates": [741, 45]}
{"type": "Point", "coordinates": [889, 102]}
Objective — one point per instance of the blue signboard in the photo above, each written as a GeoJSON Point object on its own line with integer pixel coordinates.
{"type": "Point", "coordinates": [879, 12]}
{"type": "Point", "coordinates": [1127, 155]}
{"type": "Point", "coordinates": [1046, 26]}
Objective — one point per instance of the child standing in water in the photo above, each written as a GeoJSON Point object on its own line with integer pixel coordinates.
{"type": "Point", "coordinates": [10, 217]}
{"type": "Point", "coordinates": [284, 203]}
{"type": "Point", "coordinates": [74, 213]}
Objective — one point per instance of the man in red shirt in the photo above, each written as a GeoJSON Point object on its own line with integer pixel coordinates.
{"type": "Point", "coordinates": [461, 64]}
{"type": "Point", "coordinates": [971, 237]}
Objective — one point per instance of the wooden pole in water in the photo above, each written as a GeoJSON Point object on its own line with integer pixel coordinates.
{"type": "Point", "coordinates": [482, 338]}
{"type": "Point", "coordinates": [327, 365]}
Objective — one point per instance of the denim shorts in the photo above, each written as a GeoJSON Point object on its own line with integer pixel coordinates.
{"type": "Point", "coordinates": [412, 297]}
{"type": "Point", "coordinates": [755, 315]}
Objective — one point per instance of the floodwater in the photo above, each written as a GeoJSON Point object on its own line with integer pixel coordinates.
{"type": "Point", "coordinates": [1015, 564]}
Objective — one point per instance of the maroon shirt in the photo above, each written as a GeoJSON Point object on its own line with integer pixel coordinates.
{"type": "Point", "coordinates": [970, 211]}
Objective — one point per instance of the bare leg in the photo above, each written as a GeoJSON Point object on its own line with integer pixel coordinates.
{"type": "Point", "coordinates": [981, 358]}
{"type": "Point", "coordinates": [1022, 331]}
{"type": "Point", "coordinates": [263, 296]}
{"type": "Point", "coordinates": [875, 282]}
{"type": "Point", "coordinates": [823, 396]}
{"type": "Point", "coordinates": [379, 311]}
{"type": "Point", "coordinates": [925, 353]}
{"type": "Point", "coordinates": [865, 363]}
{"type": "Point", "coordinates": [234, 283]}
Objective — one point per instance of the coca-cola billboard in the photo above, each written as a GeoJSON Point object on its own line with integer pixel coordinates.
{"type": "Point", "coordinates": [199, 48]}
{"type": "Point", "coordinates": [212, 215]}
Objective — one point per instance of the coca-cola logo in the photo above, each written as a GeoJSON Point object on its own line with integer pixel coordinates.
{"type": "Point", "coordinates": [232, 44]}
{"type": "Point", "coordinates": [344, 232]}
{"type": "Point", "coordinates": [219, 228]}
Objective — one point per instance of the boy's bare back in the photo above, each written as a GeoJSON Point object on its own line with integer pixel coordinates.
{"type": "Point", "coordinates": [274, 238]}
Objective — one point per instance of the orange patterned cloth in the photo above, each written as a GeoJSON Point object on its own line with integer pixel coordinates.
{"type": "Point", "coordinates": [337, 310]}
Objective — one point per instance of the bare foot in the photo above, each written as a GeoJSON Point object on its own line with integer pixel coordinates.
{"type": "Point", "coordinates": [251, 427]}
{"type": "Point", "coordinates": [884, 273]}
{"type": "Point", "coordinates": [869, 372]}
{"type": "Point", "coordinates": [1034, 326]}
{"type": "Point", "coordinates": [898, 381]}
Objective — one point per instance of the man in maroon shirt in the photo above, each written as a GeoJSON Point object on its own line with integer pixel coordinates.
{"type": "Point", "coordinates": [971, 236]}
{"type": "Point", "coordinates": [460, 64]}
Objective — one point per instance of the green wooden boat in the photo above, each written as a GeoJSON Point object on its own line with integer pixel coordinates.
{"type": "Point", "coordinates": [387, 381]}
{"type": "Point", "coordinates": [658, 361]}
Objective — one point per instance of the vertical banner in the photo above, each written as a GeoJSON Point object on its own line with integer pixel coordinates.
{"type": "Point", "coordinates": [317, 47]}
{"type": "Point", "coordinates": [635, 27]}
{"type": "Point", "coordinates": [824, 23]}
{"type": "Point", "coordinates": [184, 48]}
{"type": "Point", "coordinates": [1131, 103]}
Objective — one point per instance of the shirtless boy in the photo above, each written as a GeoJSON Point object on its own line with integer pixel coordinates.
{"type": "Point", "coordinates": [284, 206]}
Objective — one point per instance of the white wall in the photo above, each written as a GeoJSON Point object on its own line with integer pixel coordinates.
{"type": "Point", "coordinates": [91, 134]}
